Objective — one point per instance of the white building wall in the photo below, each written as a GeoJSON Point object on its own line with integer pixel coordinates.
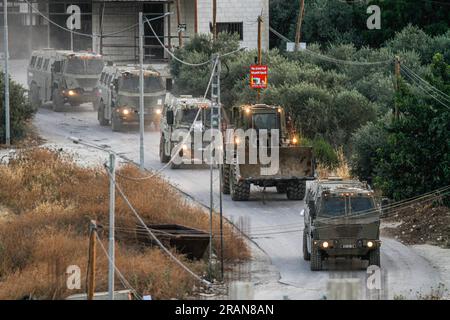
{"type": "Point", "coordinates": [246, 12]}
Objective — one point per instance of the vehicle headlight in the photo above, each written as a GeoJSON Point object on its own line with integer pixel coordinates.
{"type": "Point", "coordinates": [370, 244]}
{"type": "Point", "coordinates": [158, 111]}
{"type": "Point", "coordinates": [71, 92]}
{"type": "Point", "coordinates": [184, 147]}
{"type": "Point", "coordinates": [325, 244]}
{"type": "Point", "coordinates": [237, 140]}
{"type": "Point", "coordinates": [125, 112]}
{"type": "Point", "coordinates": [294, 140]}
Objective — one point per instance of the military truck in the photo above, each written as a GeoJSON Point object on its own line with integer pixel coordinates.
{"type": "Point", "coordinates": [341, 220]}
{"type": "Point", "coordinates": [118, 102]}
{"type": "Point", "coordinates": [62, 77]}
{"type": "Point", "coordinates": [295, 163]}
{"type": "Point", "coordinates": [179, 114]}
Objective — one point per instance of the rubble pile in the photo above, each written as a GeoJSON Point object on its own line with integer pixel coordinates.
{"type": "Point", "coordinates": [420, 224]}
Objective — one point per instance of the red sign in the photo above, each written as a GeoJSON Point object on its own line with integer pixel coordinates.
{"type": "Point", "coordinates": [258, 76]}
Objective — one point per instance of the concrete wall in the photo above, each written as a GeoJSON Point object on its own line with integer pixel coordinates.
{"type": "Point", "coordinates": [117, 16]}
{"type": "Point", "coordinates": [238, 11]}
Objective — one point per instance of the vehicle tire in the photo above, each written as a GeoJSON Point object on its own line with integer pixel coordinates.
{"type": "Point", "coordinates": [374, 257]}
{"type": "Point", "coordinates": [226, 179]}
{"type": "Point", "coordinates": [281, 188]}
{"type": "Point", "coordinates": [316, 259]}
{"type": "Point", "coordinates": [116, 124]}
{"type": "Point", "coordinates": [296, 190]}
{"type": "Point", "coordinates": [306, 254]}
{"type": "Point", "coordinates": [101, 115]}
{"type": "Point", "coordinates": [162, 156]}
{"type": "Point", "coordinates": [240, 190]}
{"type": "Point", "coordinates": [34, 97]}
{"type": "Point", "coordinates": [57, 101]}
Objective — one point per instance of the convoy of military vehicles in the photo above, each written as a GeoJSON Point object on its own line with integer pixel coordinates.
{"type": "Point", "coordinates": [63, 77]}
{"type": "Point", "coordinates": [341, 217]}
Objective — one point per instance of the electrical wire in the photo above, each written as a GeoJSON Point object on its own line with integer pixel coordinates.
{"type": "Point", "coordinates": [121, 277]}
{"type": "Point", "coordinates": [86, 34]}
{"type": "Point", "coordinates": [331, 59]}
{"type": "Point", "coordinates": [152, 235]}
{"type": "Point", "coordinates": [427, 84]}
{"type": "Point", "coordinates": [424, 90]}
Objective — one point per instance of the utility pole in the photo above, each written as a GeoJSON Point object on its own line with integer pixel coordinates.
{"type": "Point", "coordinates": [92, 259]}
{"type": "Point", "coordinates": [141, 91]}
{"type": "Point", "coordinates": [214, 26]}
{"type": "Point", "coordinates": [260, 21]}
{"type": "Point", "coordinates": [6, 73]}
{"type": "Point", "coordinates": [397, 84]}
{"type": "Point", "coordinates": [180, 33]}
{"type": "Point", "coordinates": [112, 205]}
{"type": "Point", "coordinates": [215, 119]}
{"type": "Point", "coordinates": [299, 25]}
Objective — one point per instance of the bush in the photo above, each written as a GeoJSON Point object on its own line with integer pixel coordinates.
{"type": "Point", "coordinates": [20, 109]}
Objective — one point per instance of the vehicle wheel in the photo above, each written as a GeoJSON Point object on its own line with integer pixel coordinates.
{"type": "Point", "coordinates": [374, 257]}
{"type": "Point", "coordinates": [58, 101]}
{"type": "Point", "coordinates": [116, 124]}
{"type": "Point", "coordinates": [34, 98]}
{"type": "Point", "coordinates": [316, 259]}
{"type": "Point", "coordinates": [101, 115]}
{"type": "Point", "coordinates": [240, 190]}
{"type": "Point", "coordinates": [306, 254]}
{"type": "Point", "coordinates": [296, 190]}
{"type": "Point", "coordinates": [281, 188]}
{"type": "Point", "coordinates": [162, 156]}
{"type": "Point", "coordinates": [226, 179]}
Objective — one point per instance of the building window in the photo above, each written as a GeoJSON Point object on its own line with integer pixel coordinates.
{"type": "Point", "coordinates": [231, 27]}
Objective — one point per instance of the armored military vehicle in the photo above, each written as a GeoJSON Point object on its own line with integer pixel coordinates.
{"type": "Point", "coordinates": [179, 114]}
{"type": "Point", "coordinates": [295, 163]}
{"type": "Point", "coordinates": [118, 102]}
{"type": "Point", "coordinates": [341, 220]}
{"type": "Point", "coordinates": [63, 77]}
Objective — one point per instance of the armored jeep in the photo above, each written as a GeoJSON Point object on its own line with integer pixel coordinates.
{"type": "Point", "coordinates": [179, 114]}
{"type": "Point", "coordinates": [341, 220]}
{"type": "Point", "coordinates": [62, 77]}
{"type": "Point", "coordinates": [118, 101]}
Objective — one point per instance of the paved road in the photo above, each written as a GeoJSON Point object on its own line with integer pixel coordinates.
{"type": "Point", "coordinates": [274, 224]}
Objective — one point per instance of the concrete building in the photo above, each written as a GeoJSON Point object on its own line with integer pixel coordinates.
{"type": "Point", "coordinates": [106, 18]}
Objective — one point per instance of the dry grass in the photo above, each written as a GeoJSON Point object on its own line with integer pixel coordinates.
{"type": "Point", "coordinates": [52, 201]}
{"type": "Point", "coordinates": [342, 170]}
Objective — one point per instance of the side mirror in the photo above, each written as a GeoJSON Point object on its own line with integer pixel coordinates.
{"type": "Point", "coordinates": [302, 212]}
{"type": "Point", "coordinates": [169, 117]}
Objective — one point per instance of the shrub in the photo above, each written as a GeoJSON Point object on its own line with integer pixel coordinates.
{"type": "Point", "coordinates": [20, 109]}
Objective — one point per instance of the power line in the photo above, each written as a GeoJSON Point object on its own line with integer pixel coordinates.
{"type": "Point", "coordinates": [167, 251]}
{"type": "Point", "coordinates": [426, 83]}
{"type": "Point", "coordinates": [87, 34]}
{"type": "Point", "coordinates": [425, 90]}
{"type": "Point", "coordinates": [331, 59]}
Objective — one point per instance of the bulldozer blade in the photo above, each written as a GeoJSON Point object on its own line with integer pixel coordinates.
{"type": "Point", "coordinates": [293, 163]}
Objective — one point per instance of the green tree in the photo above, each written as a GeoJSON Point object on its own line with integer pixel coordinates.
{"type": "Point", "coordinates": [20, 110]}
{"type": "Point", "coordinates": [416, 156]}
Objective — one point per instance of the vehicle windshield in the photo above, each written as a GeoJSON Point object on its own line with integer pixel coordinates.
{"type": "Point", "coordinates": [187, 116]}
{"type": "Point", "coordinates": [333, 207]}
{"type": "Point", "coordinates": [359, 204]}
{"type": "Point", "coordinates": [84, 66]}
{"type": "Point", "coordinates": [266, 121]}
{"type": "Point", "coordinates": [151, 84]}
